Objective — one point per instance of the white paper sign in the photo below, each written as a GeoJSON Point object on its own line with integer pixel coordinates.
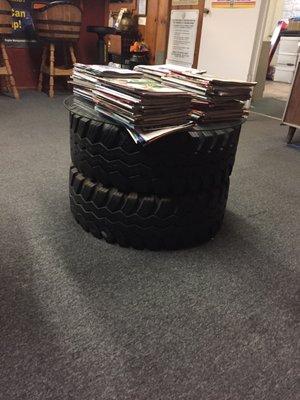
{"type": "Point", "coordinates": [142, 20]}
{"type": "Point", "coordinates": [142, 7]}
{"type": "Point", "coordinates": [182, 37]}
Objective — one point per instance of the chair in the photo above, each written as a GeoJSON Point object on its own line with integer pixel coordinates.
{"type": "Point", "coordinates": [59, 22]}
{"type": "Point", "coordinates": [6, 31]}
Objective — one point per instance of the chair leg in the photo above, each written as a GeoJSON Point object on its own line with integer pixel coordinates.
{"type": "Point", "coordinates": [9, 72]}
{"type": "Point", "coordinates": [52, 61]}
{"type": "Point", "coordinates": [7, 85]}
{"type": "Point", "coordinates": [72, 53]}
{"type": "Point", "coordinates": [44, 57]}
{"type": "Point", "coordinates": [290, 134]}
{"type": "Point", "coordinates": [4, 84]}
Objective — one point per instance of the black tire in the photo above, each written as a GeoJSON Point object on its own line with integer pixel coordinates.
{"type": "Point", "coordinates": [146, 221]}
{"type": "Point", "coordinates": [175, 165]}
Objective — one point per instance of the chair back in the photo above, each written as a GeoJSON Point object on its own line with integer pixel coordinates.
{"type": "Point", "coordinates": [60, 20]}
{"type": "Point", "coordinates": [5, 18]}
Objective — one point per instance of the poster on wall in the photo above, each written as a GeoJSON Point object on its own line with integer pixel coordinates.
{"type": "Point", "coordinates": [233, 4]}
{"type": "Point", "coordinates": [23, 29]}
{"type": "Point", "coordinates": [182, 37]}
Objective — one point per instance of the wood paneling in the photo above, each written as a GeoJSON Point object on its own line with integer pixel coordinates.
{"type": "Point", "coordinates": [115, 44]}
{"type": "Point", "coordinates": [162, 33]}
{"type": "Point", "coordinates": [151, 28]}
{"type": "Point", "coordinates": [156, 31]}
{"type": "Point", "coordinates": [115, 7]}
{"type": "Point", "coordinates": [94, 13]}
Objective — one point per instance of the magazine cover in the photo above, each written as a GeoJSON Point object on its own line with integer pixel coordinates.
{"type": "Point", "coordinates": [143, 86]}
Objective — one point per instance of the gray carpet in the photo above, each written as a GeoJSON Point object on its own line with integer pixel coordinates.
{"type": "Point", "coordinates": [85, 320]}
{"type": "Point", "coordinates": [269, 106]}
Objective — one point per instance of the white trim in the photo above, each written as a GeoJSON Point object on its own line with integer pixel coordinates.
{"type": "Point", "coordinates": [258, 40]}
{"type": "Point", "coordinates": [293, 126]}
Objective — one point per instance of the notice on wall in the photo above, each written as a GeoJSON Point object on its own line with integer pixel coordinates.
{"type": "Point", "coordinates": [142, 20]}
{"type": "Point", "coordinates": [23, 29]}
{"type": "Point", "coordinates": [182, 37]}
{"type": "Point", "coordinates": [185, 2]}
{"type": "Point", "coordinates": [233, 4]}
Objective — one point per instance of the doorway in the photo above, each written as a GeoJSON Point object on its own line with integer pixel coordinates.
{"type": "Point", "coordinates": [277, 85]}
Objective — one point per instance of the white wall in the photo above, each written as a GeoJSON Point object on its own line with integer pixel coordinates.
{"type": "Point", "coordinates": [231, 40]}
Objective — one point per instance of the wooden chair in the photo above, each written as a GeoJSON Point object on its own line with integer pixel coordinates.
{"type": "Point", "coordinates": [57, 23]}
{"type": "Point", "coordinates": [5, 31]}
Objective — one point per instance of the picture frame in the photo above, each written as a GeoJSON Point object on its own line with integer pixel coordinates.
{"type": "Point", "coordinates": [142, 8]}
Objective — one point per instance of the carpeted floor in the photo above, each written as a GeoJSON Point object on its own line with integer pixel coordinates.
{"type": "Point", "coordinates": [269, 106]}
{"type": "Point", "coordinates": [85, 320]}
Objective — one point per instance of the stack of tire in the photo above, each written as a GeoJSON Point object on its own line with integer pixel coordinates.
{"type": "Point", "coordinates": [169, 194]}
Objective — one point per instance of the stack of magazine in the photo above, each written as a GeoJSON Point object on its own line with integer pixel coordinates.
{"type": "Point", "coordinates": [153, 101]}
{"type": "Point", "coordinates": [148, 109]}
{"type": "Point", "coordinates": [85, 77]}
{"type": "Point", "coordinates": [214, 100]}
{"type": "Point", "coordinates": [158, 71]}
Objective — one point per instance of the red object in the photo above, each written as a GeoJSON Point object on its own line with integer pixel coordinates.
{"type": "Point", "coordinates": [93, 14]}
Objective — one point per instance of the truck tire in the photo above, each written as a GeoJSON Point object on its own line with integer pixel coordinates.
{"type": "Point", "coordinates": [178, 164]}
{"type": "Point", "coordinates": [141, 221]}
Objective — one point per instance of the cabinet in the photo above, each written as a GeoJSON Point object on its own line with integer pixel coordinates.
{"type": "Point", "coordinates": [287, 59]}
